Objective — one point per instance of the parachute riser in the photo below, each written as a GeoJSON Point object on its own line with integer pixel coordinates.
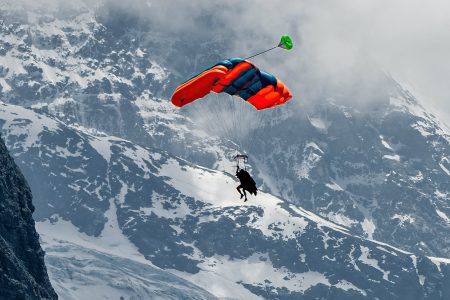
{"type": "Point", "coordinates": [241, 158]}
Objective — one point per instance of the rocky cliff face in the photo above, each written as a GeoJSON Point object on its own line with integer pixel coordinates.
{"type": "Point", "coordinates": [22, 268]}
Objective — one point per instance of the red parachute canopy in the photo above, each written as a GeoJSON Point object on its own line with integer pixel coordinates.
{"type": "Point", "coordinates": [234, 76]}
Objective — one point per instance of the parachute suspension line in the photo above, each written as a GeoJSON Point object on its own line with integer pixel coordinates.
{"type": "Point", "coordinates": [242, 123]}
{"type": "Point", "coordinates": [222, 115]}
{"type": "Point", "coordinates": [217, 112]}
{"type": "Point", "coordinates": [231, 120]}
{"type": "Point", "coordinates": [227, 110]}
{"type": "Point", "coordinates": [285, 43]}
{"type": "Point", "coordinates": [254, 134]}
{"type": "Point", "coordinates": [262, 52]}
{"type": "Point", "coordinates": [219, 129]}
{"type": "Point", "coordinates": [238, 121]}
{"type": "Point", "coordinates": [251, 125]}
{"type": "Point", "coordinates": [210, 116]}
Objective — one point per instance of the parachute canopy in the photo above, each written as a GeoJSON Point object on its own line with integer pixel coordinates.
{"type": "Point", "coordinates": [234, 76]}
{"type": "Point", "coordinates": [286, 42]}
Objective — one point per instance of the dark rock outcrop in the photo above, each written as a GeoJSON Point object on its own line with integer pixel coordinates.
{"type": "Point", "coordinates": [23, 274]}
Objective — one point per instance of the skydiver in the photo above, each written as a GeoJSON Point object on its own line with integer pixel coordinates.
{"type": "Point", "coordinates": [247, 183]}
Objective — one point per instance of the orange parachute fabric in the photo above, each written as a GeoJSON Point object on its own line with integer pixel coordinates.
{"type": "Point", "coordinates": [235, 77]}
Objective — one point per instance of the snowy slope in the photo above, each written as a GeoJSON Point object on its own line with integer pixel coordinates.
{"type": "Point", "coordinates": [79, 272]}
{"type": "Point", "coordinates": [139, 203]}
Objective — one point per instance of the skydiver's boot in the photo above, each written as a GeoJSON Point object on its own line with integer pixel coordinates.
{"type": "Point", "coordinates": [239, 191]}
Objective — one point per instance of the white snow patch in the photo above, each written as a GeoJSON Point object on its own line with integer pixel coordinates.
{"type": "Point", "coordinates": [386, 250]}
{"type": "Point", "coordinates": [111, 240]}
{"type": "Point", "coordinates": [404, 218]}
{"type": "Point", "coordinates": [123, 192]}
{"type": "Point", "coordinates": [341, 219]}
{"type": "Point", "coordinates": [83, 273]}
{"type": "Point", "coordinates": [180, 211]}
{"type": "Point", "coordinates": [139, 53]}
{"type": "Point", "coordinates": [320, 222]}
{"type": "Point", "coordinates": [421, 279]}
{"type": "Point", "coordinates": [418, 178]}
{"type": "Point", "coordinates": [5, 86]}
{"type": "Point", "coordinates": [334, 186]}
{"type": "Point", "coordinates": [347, 286]}
{"type": "Point", "coordinates": [446, 161]}
{"type": "Point", "coordinates": [26, 124]}
{"type": "Point", "coordinates": [385, 144]}
{"type": "Point", "coordinates": [310, 158]}
{"type": "Point", "coordinates": [392, 157]}
{"type": "Point", "coordinates": [319, 124]}
{"type": "Point", "coordinates": [369, 227]}
{"type": "Point", "coordinates": [443, 216]}
{"type": "Point", "coordinates": [102, 146]}
{"type": "Point", "coordinates": [440, 194]}
{"type": "Point", "coordinates": [438, 261]}
{"type": "Point", "coordinates": [372, 262]}
{"type": "Point", "coordinates": [222, 277]}
{"type": "Point", "coordinates": [423, 128]}
{"type": "Point", "coordinates": [158, 71]}
{"type": "Point", "coordinates": [140, 156]}
{"type": "Point", "coordinates": [13, 64]}
{"type": "Point", "coordinates": [114, 97]}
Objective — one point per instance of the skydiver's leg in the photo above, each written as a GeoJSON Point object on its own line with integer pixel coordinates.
{"type": "Point", "coordinates": [245, 196]}
{"type": "Point", "coordinates": [239, 190]}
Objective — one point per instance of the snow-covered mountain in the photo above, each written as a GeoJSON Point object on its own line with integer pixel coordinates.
{"type": "Point", "coordinates": [126, 202]}
{"type": "Point", "coordinates": [99, 151]}
{"type": "Point", "coordinates": [381, 170]}
{"type": "Point", "coordinates": [79, 65]}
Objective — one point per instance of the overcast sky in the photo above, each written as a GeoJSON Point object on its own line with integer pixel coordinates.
{"type": "Point", "coordinates": [337, 39]}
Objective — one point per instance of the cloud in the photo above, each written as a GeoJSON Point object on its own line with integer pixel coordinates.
{"type": "Point", "coordinates": [337, 43]}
